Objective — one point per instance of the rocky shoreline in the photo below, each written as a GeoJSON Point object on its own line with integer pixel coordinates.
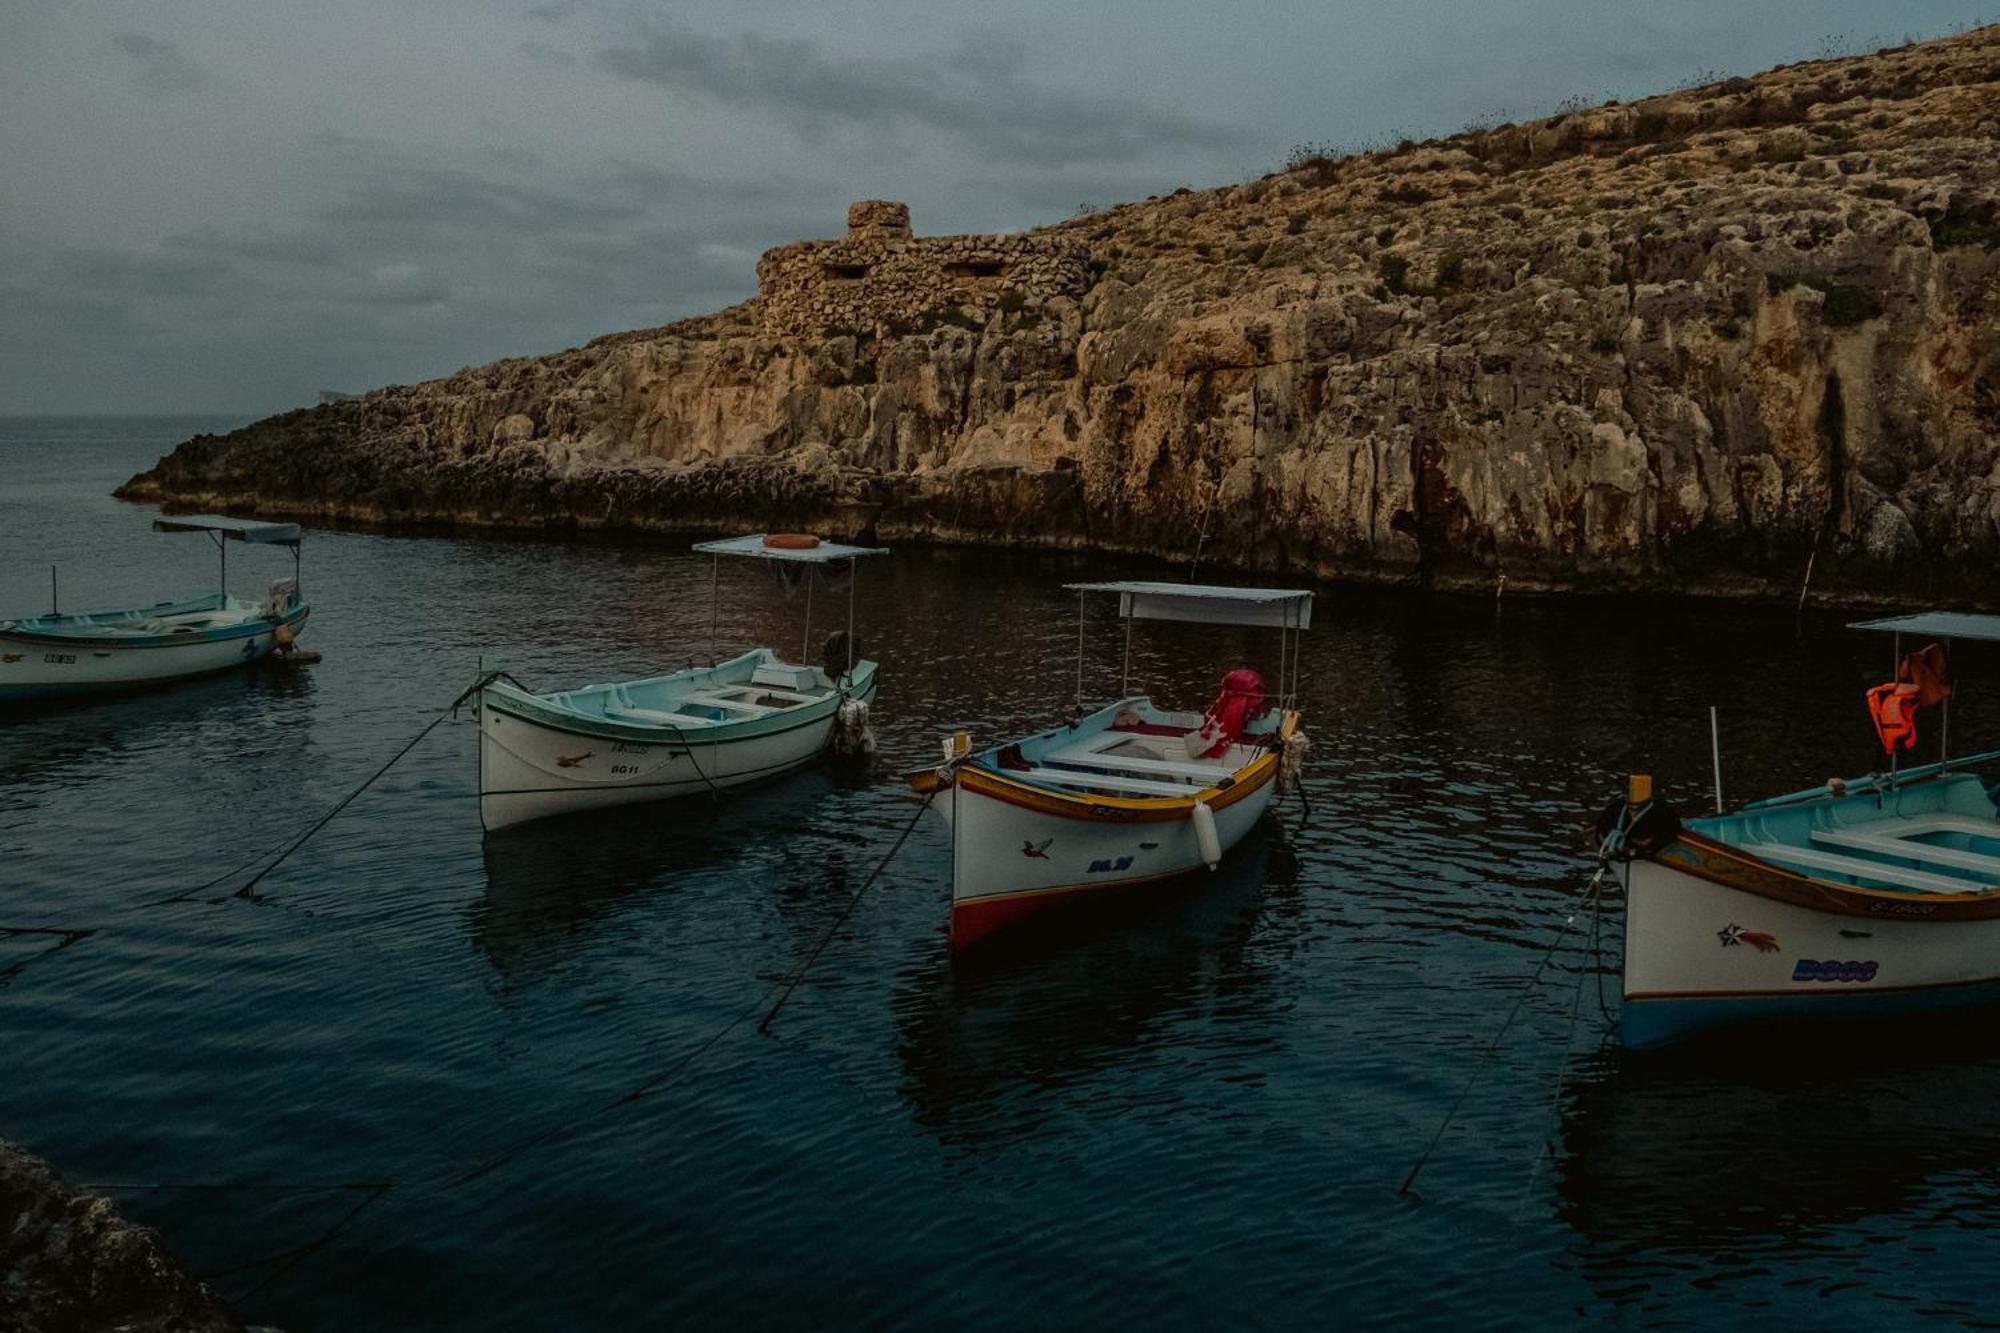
{"type": "Point", "coordinates": [1697, 343]}
{"type": "Point", "coordinates": [69, 1263]}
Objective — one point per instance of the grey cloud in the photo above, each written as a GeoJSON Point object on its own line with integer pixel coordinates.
{"type": "Point", "coordinates": [978, 93]}
{"type": "Point", "coordinates": [162, 66]}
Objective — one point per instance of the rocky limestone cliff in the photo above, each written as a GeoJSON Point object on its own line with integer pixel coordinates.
{"type": "Point", "coordinates": [1687, 343]}
{"type": "Point", "coordinates": [69, 1263]}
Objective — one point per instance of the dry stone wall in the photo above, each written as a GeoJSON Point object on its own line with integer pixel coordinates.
{"type": "Point", "coordinates": [880, 279]}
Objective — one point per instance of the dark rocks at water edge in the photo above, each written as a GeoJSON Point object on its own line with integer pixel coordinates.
{"type": "Point", "coordinates": [1696, 342]}
{"type": "Point", "coordinates": [70, 1264]}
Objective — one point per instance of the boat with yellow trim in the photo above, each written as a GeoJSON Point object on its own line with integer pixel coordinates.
{"type": "Point", "coordinates": [1130, 795]}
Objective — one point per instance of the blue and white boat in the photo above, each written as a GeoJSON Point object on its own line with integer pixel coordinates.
{"type": "Point", "coordinates": [704, 729]}
{"type": "Point", "coordinates": [58, 655]}
{"type": "Point", "coordinates": [1873, 897]}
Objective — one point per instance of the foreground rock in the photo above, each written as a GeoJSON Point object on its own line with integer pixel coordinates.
{"type": "Point", "coordinates": [1692, 343]}
{"type": "Point", "coordinates": [69, 1263]}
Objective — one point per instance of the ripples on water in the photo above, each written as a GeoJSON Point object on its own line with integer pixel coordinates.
{"type": "Point", "coordinates": [1192, 1114]}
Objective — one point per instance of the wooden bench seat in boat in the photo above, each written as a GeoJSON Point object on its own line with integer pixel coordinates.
{"type": "Point", "coordinates": [1860, 868]}
{"type": "Point", "coordinates": [1106, 781]}
{"type": "Point", "coordinates": [1206, 773]}
{"type": "Point", "coordinates": [727, 704]}
{"type": "Point", "coordinates": [653, 717]}
{"type": "Point", "coordinates": [1902, 844]}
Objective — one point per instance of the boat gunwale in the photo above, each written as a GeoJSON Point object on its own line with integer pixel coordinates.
{"type": "Point", "coordinates": [1766, 879]}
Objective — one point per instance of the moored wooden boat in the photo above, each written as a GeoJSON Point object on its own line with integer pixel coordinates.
{"type": "Point", "coordinates": [1128, 796]}
{"type": "Point", "coordinates": [1875, 897]}
{"type": "Point", "coordinates": [702, 730]}
{"type": "Point", "coordinates": [61, 655]}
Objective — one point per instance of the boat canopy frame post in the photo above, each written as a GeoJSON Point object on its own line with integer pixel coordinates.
{"type": "Point", "coordinates": [806, 639]}
{"type": "Point", "coordinates": [1947, 627]}
{"type": "Point", "coordinates": [819, 554]}
{"type": "Point", "coordinates": [1287, 610]}
{"type": "Point", "coordinates": [714, 605]}
{"type": "Point", "coordinates": [1081, 594]}
{"type": "Point", "coordinates": [222, 531]}
{"type": "Point", "coordinates": [1125, 674]}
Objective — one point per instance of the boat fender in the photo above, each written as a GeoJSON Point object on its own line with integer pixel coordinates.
{"type": "Point", "coordinates": [790, 541]}
{"type": "Point", "coordinates": [851, 733]}
{"type": "Point", "coordinates": [1205, 836]}
{"type": "Point", "coordinates": [1292, 761]}
{"type": "Point", "coordinates": [1647, 829]}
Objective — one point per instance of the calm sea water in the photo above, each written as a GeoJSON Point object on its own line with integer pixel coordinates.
{"type": "Point", "coordinates": [1196, 1113]}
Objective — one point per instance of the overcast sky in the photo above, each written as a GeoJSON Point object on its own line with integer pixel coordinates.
{"type": "Point", "coordinates": [208, 205]}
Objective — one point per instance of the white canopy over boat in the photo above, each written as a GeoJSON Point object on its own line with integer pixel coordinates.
{"type": "Point", "coordinates": [222, 530]}
{"type": "Point", "coordinates": [1287, 610]}
{"type": "Point", "coordinates": [232, 529]}
{"type": "Point", "coordinates": [1206, 604]}
{"type": "Point", "coordinates": [1943, 624]}
{"type": "Point", "coordinates": [825, 553]}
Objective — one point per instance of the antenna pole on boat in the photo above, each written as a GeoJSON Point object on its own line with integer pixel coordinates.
{"type": "Point", "coordinates": [1715, 754]}
{"type": "Point", "coordinates": [55, 605]}
{"type": "Point", "coordinates": [714, 603]}
{"type": "Point", "coordinates": [853, 577]}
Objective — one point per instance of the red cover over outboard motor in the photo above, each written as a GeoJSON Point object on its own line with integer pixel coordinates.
{"type": "Point", "coordinates": [1240, 702]}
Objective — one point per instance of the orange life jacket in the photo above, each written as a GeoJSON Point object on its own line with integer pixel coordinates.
{"type": "Point", "coordinates": [1921, 682]}
{"type": "Point", "coordinates": [1893, 709]}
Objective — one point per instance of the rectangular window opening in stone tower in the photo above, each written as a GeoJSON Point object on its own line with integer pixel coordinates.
{"type": "Point", "coordinates": [847, 272]}
{"type": "Point", "coordinates": [975, 268]}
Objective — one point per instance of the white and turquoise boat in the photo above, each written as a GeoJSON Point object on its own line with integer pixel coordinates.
{"type": "Point", "coordinates": [59, 655]}
{"type": "Point", "coordinates": [1870, 898]}
{"type": "Point", "coordinates": [704, 729]}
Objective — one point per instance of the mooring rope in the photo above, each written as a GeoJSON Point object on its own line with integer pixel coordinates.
{"type": "Point", "coordinates": [444, 715]}
{"type": "Point", "coordinates": [65, 936]}
{"type": "Point", "coordinates": [1493, 1046]}
{"type": "Point", "coordinates": [665, 1077]}
{"type": "Point", "coordinates": [284, 1262]}
{"type": "Point", "coordinates": [847, 909]}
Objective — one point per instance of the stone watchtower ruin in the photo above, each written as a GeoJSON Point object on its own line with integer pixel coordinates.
{"type": "Point", "coordinates": [881, 277]}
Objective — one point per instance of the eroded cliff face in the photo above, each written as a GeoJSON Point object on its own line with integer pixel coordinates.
{"type": "Point", "coordinates": [1687, 343]}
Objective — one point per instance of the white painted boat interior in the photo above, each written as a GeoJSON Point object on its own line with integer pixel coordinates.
{"type": "Point", "coordinates": [1139, 764]}
{"type": "Point", "coordinates": [1806, 858]}
{"type": "Point", "coordinates": [1937, 834]}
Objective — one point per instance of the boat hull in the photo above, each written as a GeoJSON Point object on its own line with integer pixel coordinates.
{"type": "Point", "coordinates": [1018, 853]}
{"type": "Point", "coordinates": [37, 667]}
{"type": "Point", "coordinates": [1702, 954]}
{"type": "Point", "coordinates": [531, 769]}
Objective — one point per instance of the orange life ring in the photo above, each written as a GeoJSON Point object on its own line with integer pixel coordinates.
{"type": "Point", "coordinates": [790, 541]}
